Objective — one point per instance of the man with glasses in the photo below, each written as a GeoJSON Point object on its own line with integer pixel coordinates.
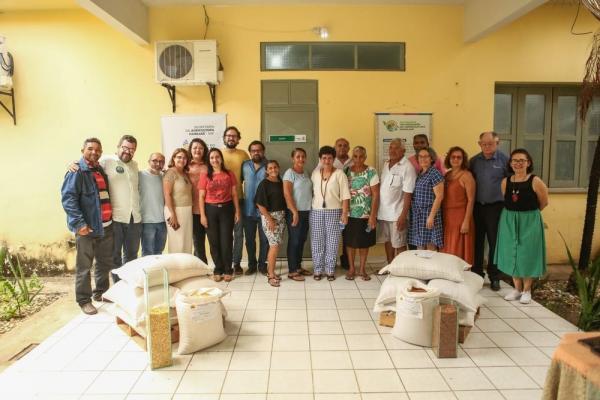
{"type": "Point", "coordinates": [253, 172]}
{"type": "Point", "coordinates": [123, 174]}
{"type": "Point", "coordinates": [233, 159]}
{"type": "Point", "coordinates": [152, 205]}
{"type": "Point", "coordinates": [489, 168]}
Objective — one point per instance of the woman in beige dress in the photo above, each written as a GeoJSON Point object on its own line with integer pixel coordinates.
{"type": "Point", "coordinates": [177, 189]}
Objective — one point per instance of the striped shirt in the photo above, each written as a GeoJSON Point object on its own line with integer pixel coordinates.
{"type": "Point", "coordinates": [105, 207]}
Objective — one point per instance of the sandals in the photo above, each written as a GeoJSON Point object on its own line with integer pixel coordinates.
{"type": "Point", "coordinates": [331, 278]}
{"type": "Point", "coordinates": [217, 278]}
{"type": "Point", "coordinates": [349, 277]}
{"type": "Point", "coordinates": [365, 277]}
{"type": "Point", "coordinates": [227, 278]}
{"type": "Point", "coordinates": [273, 281]}
{"type": "Point", "coordinates": [304, 272]}
{"type": "Point", "coordinates": [317, 277]}
{"type": "Point", "coordinates": [295, 276]}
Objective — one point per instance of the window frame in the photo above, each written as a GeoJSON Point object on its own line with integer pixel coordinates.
{"type": "Point", "coordinates": [401, 61]}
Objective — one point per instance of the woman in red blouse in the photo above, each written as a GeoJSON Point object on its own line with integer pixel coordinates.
{"type": "Point", "coordinates": [219, 210]}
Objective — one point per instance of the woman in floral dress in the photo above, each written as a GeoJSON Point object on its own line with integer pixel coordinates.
{"type": "Point", "coordinates": [364, 204]}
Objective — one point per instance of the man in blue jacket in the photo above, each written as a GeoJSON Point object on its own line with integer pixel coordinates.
{"type": "Point", "coordinates": [86, 202]}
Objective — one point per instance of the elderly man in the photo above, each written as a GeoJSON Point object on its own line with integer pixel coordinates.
{"type": "Point", "coordinates": [253, 172]}
{"type": "Point", "coordinates": [489, 168]}
{"type": "Point", "coordinates": [152, 206]}
{"type": "Point", "coordinates": [233, 159]}
{"type": "Point", "coordinates": [86, 201]}
{"type": "Point", "coordinates": [397, 185]}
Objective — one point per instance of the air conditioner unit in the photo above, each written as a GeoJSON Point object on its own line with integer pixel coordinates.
{"type": "Point", "coordinates": [7, 66]}
{"type": "Point", "coordinates": [187, 62]}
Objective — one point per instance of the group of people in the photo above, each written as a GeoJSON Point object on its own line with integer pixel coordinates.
{"type": "Point", "coordinates": [231, 196]}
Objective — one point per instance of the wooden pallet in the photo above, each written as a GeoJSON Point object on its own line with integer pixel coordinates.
{"type": "Point", "coordinates": [388, 318]}
{"type": "Point", "coordinates": [139, 336]}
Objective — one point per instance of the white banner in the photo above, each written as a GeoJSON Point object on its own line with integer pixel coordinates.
{"type": "Point", "coordinates": [389, 126]}
{"type": "Point", "coordinates": [179, 130]}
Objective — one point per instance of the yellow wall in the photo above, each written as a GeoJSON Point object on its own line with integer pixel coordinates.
{"type": "Point", "coordinates": [76, 77]}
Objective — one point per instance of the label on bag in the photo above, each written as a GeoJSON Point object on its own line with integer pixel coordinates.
{"type": "Point", "coordinates": [409, 307]}
{"type": "Point", "coordinates": [204, 312]}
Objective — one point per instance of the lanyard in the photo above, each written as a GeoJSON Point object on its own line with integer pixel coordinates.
{"type": "Point", "coordinates": [321, 186]}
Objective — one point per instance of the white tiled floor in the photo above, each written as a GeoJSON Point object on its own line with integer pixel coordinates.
{"type": "Point", "coordinates": [311, 340]}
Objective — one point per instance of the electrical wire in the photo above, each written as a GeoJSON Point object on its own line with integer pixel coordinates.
{"type": "Point", "coordinates": [575, 20]}
{"type": "Point", "coordinates": [206, 21]}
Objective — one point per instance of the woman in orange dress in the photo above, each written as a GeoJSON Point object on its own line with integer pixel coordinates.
{"type": "Point", "coordinates": [457, 207]}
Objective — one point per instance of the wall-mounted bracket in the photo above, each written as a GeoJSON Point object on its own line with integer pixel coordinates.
{"type": "Point", "coordinates": [171, 90]}
{"type": "Point", "coordinates": [213, 95]}
{"type": "Point", "coordinates": [13, 114]}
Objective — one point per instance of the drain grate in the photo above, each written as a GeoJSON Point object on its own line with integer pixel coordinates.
{"type": "Point", "coordinates": [24, 352]}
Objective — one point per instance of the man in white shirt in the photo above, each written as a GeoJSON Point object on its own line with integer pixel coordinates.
{"type": "Point", "coordinates": [122, 172]}
{"type": "Point", "coordinates": [152, 206]}
{"type": "Point", "coordinates": [397, 185]}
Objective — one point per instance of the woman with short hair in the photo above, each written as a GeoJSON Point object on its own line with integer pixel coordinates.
{"type": "Point", "coordinates": [364, 204]}
{"type": "Point", "coordinates": [426, 230]}
{"type": "Point", "coordinates": [329, 214]}
{"type": "Point", "coordinates": [177, 189]}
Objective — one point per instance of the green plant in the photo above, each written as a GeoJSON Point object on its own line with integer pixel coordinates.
{"type": "Point", "coordinates": [16, 291]}
{"type": "Point", "coordinates": [587, 282]}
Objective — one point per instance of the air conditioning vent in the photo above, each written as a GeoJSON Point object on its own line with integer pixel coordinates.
{"type": "Point", "coordinates": [187, 62]}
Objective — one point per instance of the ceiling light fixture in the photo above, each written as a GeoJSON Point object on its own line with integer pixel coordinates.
{"type": "Point", "coordinates": [322, 31]}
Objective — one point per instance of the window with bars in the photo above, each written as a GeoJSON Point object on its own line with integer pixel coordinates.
{"type": "Point", "coordinates": [545, 120]}
{"type": "Point", "coordinates": [357, 56]}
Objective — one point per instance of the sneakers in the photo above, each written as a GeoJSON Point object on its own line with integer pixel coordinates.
{"type": "Point", "coordinates": [237, 269]}
{"type": "Point", "coordinates": [88, 308]}
{"type": "Point", "coordinates": [513, 295]}
{"type": "Point", "coordinates": [525, 298]}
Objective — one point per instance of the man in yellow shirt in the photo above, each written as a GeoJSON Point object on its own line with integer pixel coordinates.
{"type": "Point", "coordinates": [233, 159]}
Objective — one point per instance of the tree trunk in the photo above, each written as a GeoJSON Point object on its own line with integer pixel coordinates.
{"type": "Point", "coordinates": [590, 211]}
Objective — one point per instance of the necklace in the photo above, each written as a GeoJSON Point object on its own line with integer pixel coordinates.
{"type": "Point", "coordinates": [515, 191]}
{"type": "Point", "coordinates": [321, 186]}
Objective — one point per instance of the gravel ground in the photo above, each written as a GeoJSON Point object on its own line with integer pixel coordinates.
{"type": "Point", "coordinates": [553, 296]}
{"type": "Point", "coordinates": [39, 302]}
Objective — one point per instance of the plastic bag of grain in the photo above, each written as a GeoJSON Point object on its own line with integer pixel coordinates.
{"type": "Point", "coordinates": [200, 319]}
{"type": "Point", "coordinates": [415, 304]}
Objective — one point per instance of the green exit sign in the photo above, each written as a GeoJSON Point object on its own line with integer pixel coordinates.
{"type": "Point", "coordinates": [287, 138]}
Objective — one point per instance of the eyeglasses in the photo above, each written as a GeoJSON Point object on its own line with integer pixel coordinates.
{"type": "Point", "coordinates": [519, 161]}
{"type": "Point", "coordinates": [231, 136]}
{"type": "Point", "coordinates": [128, 149]}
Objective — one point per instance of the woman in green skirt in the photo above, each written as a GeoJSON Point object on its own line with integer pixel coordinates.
{"type": "Point", "coordinates": [521, 247]}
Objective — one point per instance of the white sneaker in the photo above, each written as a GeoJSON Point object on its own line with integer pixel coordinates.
{"type": "Point", "coordinates": [513, 295]}
{"type": "Point", "coordinates": [525, 298]}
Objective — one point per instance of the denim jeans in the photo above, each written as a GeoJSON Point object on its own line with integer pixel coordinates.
{"type": "Point", "coordinates": [297, 236]}
{"type": "Point", "coordinates": [250, 226]}
{"type": "Point", "coordinates": [127, 243]}
{"type": "Point", "coordinates": [88, 249]}
{"type": "Point", "coordinates": [154, 237]}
